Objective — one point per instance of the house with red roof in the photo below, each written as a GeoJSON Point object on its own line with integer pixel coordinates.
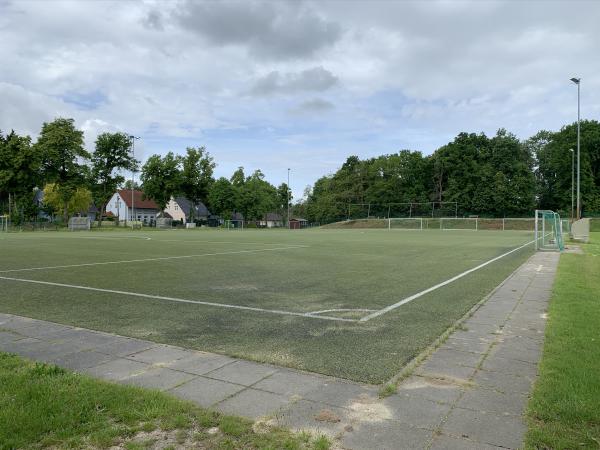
{"type": "Point", "coordinates": [131, 205]}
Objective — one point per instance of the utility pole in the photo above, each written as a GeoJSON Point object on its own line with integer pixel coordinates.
{"type": "Point", "coordinates": [288, 199]}
{"type": "Point", "coordinates": [577, 81]}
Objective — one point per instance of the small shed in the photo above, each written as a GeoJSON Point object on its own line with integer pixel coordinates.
{"type": "Point", "coordinates": [296, 223]}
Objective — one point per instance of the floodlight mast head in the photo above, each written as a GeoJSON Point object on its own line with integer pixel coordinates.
{"type": "Point", "coordinates": [575, 80]}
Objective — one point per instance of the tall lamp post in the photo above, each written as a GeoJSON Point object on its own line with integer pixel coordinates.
{"type": "Point", "coordinates": [577, 81]}
{"type": "Point", "coordinates": [572, 184]}
{"type": "Point", "coordinates": [288, 199]}
{"type": "Point", "coordinates": [133, 139]}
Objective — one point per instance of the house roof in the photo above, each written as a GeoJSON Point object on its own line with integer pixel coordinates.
{"type": "Point", "coordinates": [200, 211]}
{"type": "Point", "coordinates": [298, 219]}
{"type": "Point", "coordinates": [138, 201]}
{"type": "Point", "coordinates": [272, 216]}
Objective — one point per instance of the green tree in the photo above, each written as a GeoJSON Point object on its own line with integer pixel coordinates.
{"type": "Point", "coordinates": [19, 172]}
{"type": "Point", "coordinates": [79, 202]}
{"type": "Point", "coordinates": [222, 198]}
{"type": "Point", "coordinates": [111, 155]}
{"type": "Point", "coordinates": [161, 178]}
{"type": "Point", "coordinates": [196, 176]}
{"type": "Point", "coordinates": [284, 199]}
{"type": "Point", "coordinates": [61, 147]}
{"type": "Point", "coordinates": [258, 197]}
{"type": "Point", "coordinates": [553, 161]}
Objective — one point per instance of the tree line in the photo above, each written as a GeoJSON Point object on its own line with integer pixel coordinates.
{"type": "Point", "coordinates": [73, 178]}
{"type": "Point", "coordinates": [497, 176]}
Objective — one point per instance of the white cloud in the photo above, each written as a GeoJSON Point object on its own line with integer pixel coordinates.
{"type": "Point", "coordinates": [400, 74]}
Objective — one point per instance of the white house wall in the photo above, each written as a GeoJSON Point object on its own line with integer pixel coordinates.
{"type": "Point", "coordinates": [118, 208]}
{"type": "Point", "coordinates": [174, 210]}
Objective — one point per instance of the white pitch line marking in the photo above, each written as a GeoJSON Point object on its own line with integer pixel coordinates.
{"type": "Point", "coordinates": [162, 258]}
{"type": "Point", "coordinates": [439, 285]}
{"type": "Point", "coordinates": [178, 300]}
{"type": "Point", "coordinates": [341, 310]}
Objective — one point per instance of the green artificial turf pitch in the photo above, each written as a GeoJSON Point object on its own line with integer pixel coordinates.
{"type": "Point", "coordinates": [352, 272]}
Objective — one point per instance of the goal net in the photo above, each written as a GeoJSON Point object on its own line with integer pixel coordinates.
{"type": "Point", "coordinates": [548, 231]}
{"type": "Point", "coordinates": [79, 223]}
{"type": "Point", "coordinates": [234, 224]}
{"type": "Point", "coordinates": [454, 223]}
{"type": "Point", "coordinates": [405, 223]}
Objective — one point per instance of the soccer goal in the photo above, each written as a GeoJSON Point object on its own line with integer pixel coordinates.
{"type": "Point", "coordinates": [548, 231]}
{"type": "Point", "coordinates": [405, 223]}
{"type": "Point", "coordinates": [234, 224]}
{"type": "Point", "coordinates": [3, 223]}
{"type": "Point", "coordinates": [79, 223]}
{"type": "Point", "coordinates": [456, 223]}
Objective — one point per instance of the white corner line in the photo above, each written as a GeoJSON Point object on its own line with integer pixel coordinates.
{"type": "Point", "coordinates": [162, 258]}
{"type": "Point", "coordinates": [178, 300]}
{"type": "Point", "coordinates": [439, 285]}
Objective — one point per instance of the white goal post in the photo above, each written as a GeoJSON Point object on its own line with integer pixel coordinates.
{"type": "Point", "coordinates": [234, 224]}
{"type": "Point", "coordinates": [405, 223]}
{"type": "Point", "coordinates": [79, 224]}
{"type": "Point", "coordinates": [3, 223]}
{"type": "Point", "coordinates": [548, 231]}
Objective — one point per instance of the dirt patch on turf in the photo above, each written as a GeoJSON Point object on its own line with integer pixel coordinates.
{"type": "Point", "coordinates": [369, 409]}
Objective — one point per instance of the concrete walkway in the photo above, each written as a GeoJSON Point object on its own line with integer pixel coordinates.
{"type": "Point", "coordinates": [469, 394]}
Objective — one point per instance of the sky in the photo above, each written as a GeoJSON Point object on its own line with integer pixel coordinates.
{"type": "Point", "coordinates": [297, 84]}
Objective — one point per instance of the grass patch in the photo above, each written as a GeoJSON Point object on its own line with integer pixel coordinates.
{"type": "Point", "coordinates": [44, 406]}
{"type": "Point", "coordinates": [564, 411]}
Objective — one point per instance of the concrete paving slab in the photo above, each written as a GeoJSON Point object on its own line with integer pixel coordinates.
{"type": "Point", "coordinates": [503, 382]}
{"type": "Point", "coordinates": [245, 373]}
{"type": "Point", "coordinates": [7, 336]}
{"type": "Point", "coordinates": [200, 363]}
{"type": "Point", "coordinates": [40, 329]}
{"type": "Point", "coordinates": [465, 345]}
{"type": "Point", "coordinates": [452, 356]}
{"type": "Point", "coordinates": [125, 346]}
{"type": "Point", "coordinates": [511, 366]}
{"type": "Point", "coordinates": [445, 370]}
{"type": "Point", "coordinates": [161, 355]}
{"type": "Point", "coordinates": [158, 378]}
{"type": "Point", "coordinates": [205, 391]}
{"type": "Point", "coordinates": [14, 346]}
{"type": "Point", "coordinates": [433, 389]}
{"type": "Point", "coordinates": [386, 435]}
{"type": "Point", "coordinates": [416, 411]}
{"type": "Point", "coordinates": [252, 403]}
{"type": "Point", "coordinates": [116, 369]}
{"type": "Point", "coordinates": [339, 393]}
{"type": "Point", "coordinates": [290, 383]}
{"type": "Point", "coordinates": [511, 351]}
{"type": "Point", "coordinates": [493, 401]}
{"type": "Point", "coordinates": [88, 339]}
{"type": "Point", "coordinates": [486, 428]}
{"type": "Point", "coordinates": [443, 442]}
{"type": "Point", "coordinates": [81, 360]}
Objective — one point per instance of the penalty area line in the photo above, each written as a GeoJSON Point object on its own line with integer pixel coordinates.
{"type": "Point", "coordinates": [161, 258]}
{"type": "Point", "coordinates": [178, 300]}
{"type": "Point", "coordinates": [439, 285]}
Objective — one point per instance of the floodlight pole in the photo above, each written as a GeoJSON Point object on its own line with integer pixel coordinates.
{"type": "Point", "coordinates": [572, 184]}
{"type": "Point", "coordinates": [132, 139]}
{"type": "Point", "coordinates": [577, 81]}
{"type": "Point", "coordinates": [288, 200]}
